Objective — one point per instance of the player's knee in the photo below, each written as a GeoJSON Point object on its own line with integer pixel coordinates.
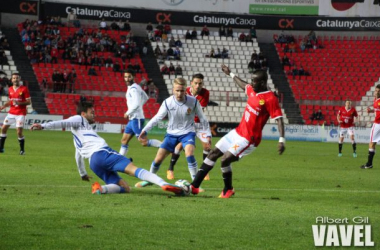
{"type": "Point", "coordinates": [213, 155]}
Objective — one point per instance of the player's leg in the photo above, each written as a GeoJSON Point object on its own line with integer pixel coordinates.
{"type": "Point", "coordinates": [138, 125]}
{"type": "Point", "coordinates": [206, 145]}
{"type": "Point", "coordinates": [342, 133]}
{"type": "Point", "coordinates": [127, 136]}
{"type": "Point", "coordinates": [105, 164]}
{"type": "Point", "coordinates": [374, 138]}
{"type": "Point", "coordinates": [352, 135]}
{"type": "Point", "coordinates": [162, 153]}
{"type": "Point", "coordinates": [3, 136]}
{"type": "Point", "coordinates": [173, 161]}
{"type": "Point", "coordinates": [19, 127]}
{"type": "Point", "coordinates": [226, 168]}
{"type": "Point", "coordinates": [149, 177]}
{"type": "Point", "coordinates": [188, 143]}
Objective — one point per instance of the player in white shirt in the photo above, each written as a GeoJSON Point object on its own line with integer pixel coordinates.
{"type": "Point", "coordinates": [181, 110]}
{"type": "Point", "coordinates": [104, 161]}
{"type": "Point", "coordinates": [136, 98]}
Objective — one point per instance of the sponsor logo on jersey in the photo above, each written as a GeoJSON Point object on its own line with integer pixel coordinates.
{"type": "Point", "coordinates": [235, 147]}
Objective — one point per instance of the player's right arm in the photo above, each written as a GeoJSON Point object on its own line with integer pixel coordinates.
{"type": "Point", "coordinates": [162, 112]}
{"type": "Point", "coordinates": [73, 121]}
{"type": "Point", "coordinates": [338, 117]}
{"type": "Point", "coordinates": [241, 84]}
{"type": "Point", "coordinates": [281, 130]}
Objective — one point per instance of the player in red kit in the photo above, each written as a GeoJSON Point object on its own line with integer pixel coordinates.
{"type": "Point", "coordinates": [197, 90]}
{"type": "Point", "coordinates": [346, 118]}
{"type": "Point", "coordinates": [19, 98]}
{"type": "Point", "coordinates": [375, 131]}
{"type": "Point", "coordinates": [261, 104]}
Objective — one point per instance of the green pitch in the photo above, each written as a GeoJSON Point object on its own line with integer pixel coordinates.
{"type": "Point", "coordinates": [45, 205]}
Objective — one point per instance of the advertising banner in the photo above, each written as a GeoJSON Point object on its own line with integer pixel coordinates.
{"type": "Point", "coordinates": [284, 7]}
{"type": "Point", "coordinates": [295, 133]}
{"type": "Point", "coordinates": [353, 8]}
{"type": "Point", "coordinates": [30, 119]}
{"type": "Point", "coordinates": [20, 7]}
{"type": "Point", "coordinates": [197, 19]}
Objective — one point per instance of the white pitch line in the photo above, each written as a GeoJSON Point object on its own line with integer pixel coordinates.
{"type": "Point", "coordinates": [217, 189]}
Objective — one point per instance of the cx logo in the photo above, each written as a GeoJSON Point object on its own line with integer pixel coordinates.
{"type": "Point", "coordinates": [286, 23]}
{"type": "Point", "coordinates": [163, 17]}
{"type": "Point", "coordinates": [26, 7]}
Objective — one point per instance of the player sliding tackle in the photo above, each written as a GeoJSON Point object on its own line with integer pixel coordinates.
{"type": "Point", "coordinates": [243, 140]}
{"type": "Point", "coordinates": [181, 110]}
{"type": "Point", "coordinates": [104, 161]}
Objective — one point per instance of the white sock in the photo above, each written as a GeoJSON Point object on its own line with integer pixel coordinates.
{"type": "Point", "coordinates": [177, 152]}
{"type": "Point", "coordinates": [193, 166]}
{"type": "Point", "coordinates": [110, 189]}
{"type": "Point", "coordinates": [154, 143]}
{"type": "Point", "coordinates": [154, 167]}
{"type": "Point", "coordinates": [123, 149]}
{"type": "Point", "coordinates": [144, 175]}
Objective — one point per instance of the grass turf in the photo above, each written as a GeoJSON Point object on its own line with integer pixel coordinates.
{"type": "Point", "coordinates": [45, 205]}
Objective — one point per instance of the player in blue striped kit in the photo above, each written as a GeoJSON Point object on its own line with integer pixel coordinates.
{"type": "Point", "coordinates": [104, 161]}
{"type": "Point", "coordinates": [181, 110]}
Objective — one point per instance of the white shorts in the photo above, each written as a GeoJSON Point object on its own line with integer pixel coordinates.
{"type": "Point", "coordinates": [201, 133]}
{"type": "Point", "coordinates": [12, 119]}
{"type": "Point", "coordinates": [344, 131]}
{"type": "Point", "coordinates": [375, 133]}
{"type": "Point", "coordinates": [234, 143]}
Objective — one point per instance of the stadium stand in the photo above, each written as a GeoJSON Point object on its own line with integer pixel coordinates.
{"type": "Point", "coordinates": [341, 68]}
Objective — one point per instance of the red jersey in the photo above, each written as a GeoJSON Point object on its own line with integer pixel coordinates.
{"type": "Point", "coordinates": [376, 107]}
{"type": "Point", "coordinates": [347, 117]}
{"type": "Point", "coordinates": [203, 97]}
{"type": "Point", "coordinates": [256, 114]}
{"type": "Point", "coordinates": [20, 94]}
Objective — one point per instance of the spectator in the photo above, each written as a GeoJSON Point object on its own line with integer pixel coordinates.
{"type": "Point", "coordinates": [73, 19]}
{"type": "Point", "coordinates": [254, 56]}
{"type": "Point", "coordinates": [152, 90]}
{"type": "Point", "coordinates": [194, 34]}
{"type": "Point", "coordinates": [114, 25]}
{"type": "Point", "coordinates": [264, 64]}
{"type": "Point", "coordinates": [169, 53]}
{"type": "Point", "coordinates": [130, 67]}
{"type": "Point", "coordinates": [171, 69]}
{"type": "Point", "coordinates": [178, 71]}
{"type": "Point", "coordinates": [312, 36]}
{"type": "Point", "coordinates": [292, 47]}
{"type": "Point", "coordinates": [167, 29]}
{"type": "Point", "coordinates": [301, 71]}
{"type": "Point", "coordinates": [136, 67]}
{"type": "Point", "coordinates": [285, 61]}
{"type": "Point", "coordinates": [165, 70]}
{"type": "Point", "coordinates": [224, 53]}
{"type": "Point", "coordinates": [230, 32]}
{"type": "Point", "coordinates": [251, 66]}
{"type": "Point", "coordinates": [108, 62]}
{"type": "Point", "coordinates": [157, 52]}
{"type": "Point", "coordinates": [212, 53]}
{"type": "Point", "coordinates": [172, 42]}
{"type": "Point", "coordinates": [205, 31]}
{"type": "Point", "coordinates": [222, 31]}
{"type": "Point", "coordinates": [103, 24]}
{"type": "Point", "coordinates": [160, 27]}
{"type": "Point", "coordinates": [44, 84]}
{"type": "Point", "coordinates": [149, 28]}
{"type": "Point", "coordinates": [57, 80]}
{"type": "Point", "coordinates": [33, 112]}
{"type": "Point", "coordinates": [177, 54]}
{"type": "Point", "coordinates": [242, 37]}
{"type": "Point", "coordinates": [178, 42]}
{"type": "Point", "coordinates": [127, 26]}
{"type": "Point", "coordinates": [252, 32]}
{"type": "Point", "coordinates": [248, 39]}
{"type": "Point", "coordinates": [188, 35]}
{"type": "Point", "coordinates": [73, 78]}
{"type": "Point", "coordinates": [92, 71]}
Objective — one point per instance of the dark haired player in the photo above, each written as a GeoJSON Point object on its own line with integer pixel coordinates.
{"type": "Point", "coordinates": [136, 98]}
{"type": "Point", "coordinates": [243, 140]}
{"type": "Point", "coordinates": [197, 90]}
{"type": "Point", "coordinates": [19, 98]}
{"type": "Point", "coordinates": [104, 161]}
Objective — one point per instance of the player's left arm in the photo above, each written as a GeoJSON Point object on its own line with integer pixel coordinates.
{"type": "Point", "coordinates": [162, 112]}
{"type": "Point", "coordinates": [275, 112]}
{"type": "Point", "coordinates": [28, 101]}
{"type": "Point", "coordinates": [241, 84]}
